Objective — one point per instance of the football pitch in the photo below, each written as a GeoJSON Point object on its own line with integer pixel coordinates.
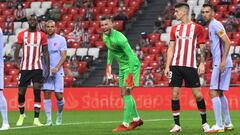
{"type": "Point", "coordinates": [102, 122]}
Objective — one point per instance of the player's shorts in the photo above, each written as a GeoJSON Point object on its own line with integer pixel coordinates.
{"type": "Point", "coordinates": [189, 75]}
{"type": "Point", "coordinates": [54, 83]}
{"type": "Point", "coordinates": [220, 81]}
{"type": "Point", "coordinates": [1, 78]}
{"type": "Point", "coordinates": [26, 76]}
{"type": "Point", "coordinates": [123, 73]}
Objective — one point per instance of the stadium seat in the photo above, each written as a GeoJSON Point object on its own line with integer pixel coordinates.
{"type": "Point", "coordinates": [85, 24]}
{"type": "Point", "coordinates": [61, 24]}
{"type": "Point", "coordinates": [29, 11]}
{"type": "Point", "coordinates": [101, 4]}
{"type": "Point", "coordinates": [144, 64]}
{"type": "Point", "coordinates": [11, 84]}
{"type": "Point", "coordinates": [15, 78]}
{"type": "Point", "coordinates": [40, 11]}
{"type": "Point", "coordinates": [17, 25]}
{"type": "Point", "coordinates": [5, 39]}
{"type": "Point", "coordinates": [237, 49]}
{"type": "Point", "coordinates": [8, 78]}
{"type": "Point", "coordinates": [74, 45]}
{"type": "Point", "coordinates": [82, 67]}
{"type": "Point", "coordinates": [13, 71]}
{"type": "Point", "coordinates": [154, 37]}
{"type": "Point", "coordinates": [154, 50]}
{"type": "Point", "coordinates": [107, 10]}
{"type": "Point", "coordinates": [145, 50]}
{"type": "Point", "coordinates": [46, 4]}
{"type": "Point", "coordinates": [35, 5]}
{"type": "Point", "coordinates": [222, 8]}
{"type": "Point", "coordinates": [232, 8]}
{"type": "Point", "coordinates": [67, 17]}
{"type": "Point", "coordinates": [3, 5]}
{"type": "Point", "coordinates": [99, 44]}
{"type": "Point", "coordinates": [91, 30]}
{"type": "Point", "coordinates": [26, 4]}
{"type": "Point", "coordinates": [149, 57]}
{"type": "Point", "coordinates": [112, 3]}
{"type": "Point", "coordinates": [73, 10]}
{"type": "Point", "coordinates": [165, 37]}
{"type": "Point", "coordinates": [214, 2]}
{"type": "Point", "coordinates": [94, 52]}
{"type": "Point", "coordinates": [97, 10]}
{"type": "Point", "coordinates": [68, 80]}
{"type": "Point", "coordinates": [119, 25]}
{"type": "Point", "coordinates": [71, 52]}
{"type": "Point", "coordinates": [154, 65]}
{"type": "Point", "coordinates": [82, 52]}
{"type": "Point", "coordinates": [8, 12]}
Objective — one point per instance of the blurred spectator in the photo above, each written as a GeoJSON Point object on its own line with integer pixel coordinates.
{"type": "Point", "coordinates": [11, 4]}
{"type": "Point", "coordinates": [20, 13]}
{"type": "Point", "coordinates": [148, 78]}
{"type": "Point", "coordinates": [193, 17]}
{"type": "Point", "coordinates": [72, 69]}
{"type": "Point", "coordinates": [85, 39]}
{"type": "Point", "coordinates": [78, 3]}
{"type": "Point", "coordinates": [55, 13]}
{"type": "Point", "coordinates": [74, 36]}
{"type": "Point", "coordinates": [121, 16]}
{"type": "Point", "coordinates": [226, 2]}
{"type": "Point", "coordinates": [144, 40]}
{"type": "Point", "coordinates": [231, 23]}
{"type": "Point", "coordinates": [202, 80]}
{"type": "Point", "coordinates": [8, 26]}
{"type": "Point", "coordinates": [112, 81]}
{"type": "Point", "coordinates": [89, 15]}
{"type": "Point", "coordinates": [42, 23]}
{"type": "Point", "coordinates": [169, 11]}
{"type": "Point", "coordinates": [139, 52]}
{"type": "Point", "coordinates": [61, 32]}
{"type": "Point", "coordinates": [77, 24]}
{"type": "Point", "coordinates": [159, 26]}
{"type": "Point", "coordinates": [238, 10]}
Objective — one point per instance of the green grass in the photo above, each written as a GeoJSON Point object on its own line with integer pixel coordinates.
{"type": "Point", "coordinates": [89, 123]}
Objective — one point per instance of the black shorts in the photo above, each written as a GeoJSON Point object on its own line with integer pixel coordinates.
{"type": "Point", "coordinates": [188, 74]}
{"type": "Point", "coordinates": [26, 76]}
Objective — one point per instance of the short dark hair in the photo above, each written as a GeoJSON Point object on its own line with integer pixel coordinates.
{"type": "Point", "coordinates": [182, 4]}
{"type": "Point", "coordinates": [106, 17]}
{"type": "Point", "coordinates": [208, 5]}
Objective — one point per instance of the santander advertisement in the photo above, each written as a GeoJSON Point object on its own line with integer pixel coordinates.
{"type": "Point", "coordinates": [108, 98]}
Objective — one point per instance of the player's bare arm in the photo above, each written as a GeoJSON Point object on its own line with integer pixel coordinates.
{"type": "Point", "coordinates": [60, 63]}
{"type": "Point", "coordinates": [16, 55]}
{"type": "Point", "coordinates": [227, 45]}
{"type": "Point", "coordinates": [46, 60]}
{"type": "Point", "coordinates": [201, 68]}
{"type": "Point", "coordinates": [169, 57]}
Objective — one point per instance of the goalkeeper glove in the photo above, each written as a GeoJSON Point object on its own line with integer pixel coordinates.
{"type": "Point", "coordinates": [130, 81]}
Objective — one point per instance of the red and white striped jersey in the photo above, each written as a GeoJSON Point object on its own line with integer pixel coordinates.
{"type": "Point", "coordinates": [32, 43]}
{"type": "Point", "coordinates": [186, 38]}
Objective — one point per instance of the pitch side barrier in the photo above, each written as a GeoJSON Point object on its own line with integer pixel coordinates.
{"type": "Point", "coordinates": [108, 98]}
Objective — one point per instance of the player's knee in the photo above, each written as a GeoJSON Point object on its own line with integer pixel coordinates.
{"type": "Point", "coordinates": [175, 96]}
{"type": "Point", "coordinates": [36, 86]}
{"type": "Point", "coordinates": [213, 93]}
{"type": "Point", "coordinates": [59, 96]}
{"type": "Point", "coordinates": [47, 95]}
{"type": "Point", "coordinates": [21, 91]}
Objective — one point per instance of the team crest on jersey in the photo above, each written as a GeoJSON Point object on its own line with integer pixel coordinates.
{"type": "Point", "coordinates": [54, 44]}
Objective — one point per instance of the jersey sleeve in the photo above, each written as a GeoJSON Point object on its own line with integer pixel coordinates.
{"type": "Point", "coordinates": [123, 43]}
{"type": "Point", "coordinates": [63, 44]}
{"type": "Point", "coordinates": [201, 34]}
{"type": "Point", "coordinates": [172, 34]}
{"type": "Point", "coordinates": [20, 38]}
{"type": "Point", "coordinates": [43, 39]}
{"type": "Point", "coordinates": [219, 28]}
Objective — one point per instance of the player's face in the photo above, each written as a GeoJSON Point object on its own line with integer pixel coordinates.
{"type": "Point", "coordinates": [207, 14]}
{"type": "Point", "coordinates": [50, 28]}
{"type": "Point", "coordinates": [32, 22]}
{"type": "Point", "coordinates": [106, 26]}
{"type": "Point", "coordinates": [179, 13]}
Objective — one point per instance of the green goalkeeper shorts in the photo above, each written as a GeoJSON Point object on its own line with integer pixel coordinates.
{"type": "Point", "coordinates": [123, 74]}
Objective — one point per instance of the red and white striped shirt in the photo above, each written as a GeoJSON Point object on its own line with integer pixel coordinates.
{"type": "Point", "coordinates": [186, 38]}
{"type": "Point", "coordinates": [32, 43]}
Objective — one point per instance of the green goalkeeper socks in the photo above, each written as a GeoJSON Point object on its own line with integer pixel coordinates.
{"type": "Point", "coordinates": [128, 106]}
{"type": "Point", "coordinates": [134, 110]}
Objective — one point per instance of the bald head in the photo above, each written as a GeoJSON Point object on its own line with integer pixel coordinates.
{"type": "Point", "coordinates": [51, 27]}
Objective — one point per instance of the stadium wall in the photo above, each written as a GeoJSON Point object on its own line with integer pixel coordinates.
{"type": "Point", "coordinates": [108, 98]}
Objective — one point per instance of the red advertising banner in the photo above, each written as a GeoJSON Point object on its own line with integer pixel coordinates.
{"type": "Point", "coordinates": [108, 98]}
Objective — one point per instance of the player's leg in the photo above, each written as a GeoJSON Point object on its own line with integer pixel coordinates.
{"type": "Point", "coordinates": [4, 112]}
{"type": "Point", "coordinates": [216, 102]}
{"type": "Point", "coordinates": [48, 87]}
{"type": "Point", "coordinates": [191, 79]}
{"type": "Point", "coordinates": [37, 80]}
{"type": "Point", "coordinates": [3, 103]}
{"type": "Point", "coordinates": [224, 86]}
{"type": "Point", "coordinates": [128, 104]}
{"type": "Point", "coordinates": [137, 121]}
{"type": "Point", "coordinates": [175, 81]}
{"type": "Point", "coordinates": [59, 89]}
{"type": "Point", "coordinates": [24, 79]}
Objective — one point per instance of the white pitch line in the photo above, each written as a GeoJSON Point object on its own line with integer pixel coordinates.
{"type": "Point", "coordinates": [87, 122]}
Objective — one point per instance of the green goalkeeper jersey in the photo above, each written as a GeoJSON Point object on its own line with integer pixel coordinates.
{"type": "Point", "coordinates": [120, 50]}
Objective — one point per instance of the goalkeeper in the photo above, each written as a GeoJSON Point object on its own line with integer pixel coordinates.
{"type": "Point", "coordinates": [129, 71]}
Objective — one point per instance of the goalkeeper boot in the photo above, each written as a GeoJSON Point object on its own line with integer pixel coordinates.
{"type": "Point", "coordinates": [135, 124]}
{"type": "Point", "coordinates": [20, 120]}
{"type": "Point", "coordinates": [176, 129]}
{"type": "Point", "coordinates": [37, 123]}
{"type": "Point", "coordinates": [59, 118]}
{"type": "Point", "coordinates": [120, 128]}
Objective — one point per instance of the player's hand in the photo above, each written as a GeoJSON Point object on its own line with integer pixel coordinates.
{"type": "Point", "coordinates": [201, 69]}
{"type": "Point", "coordinates": [129, 81]}
{"type": "Point", "coordinates": [55, 70]}
{"type": "Point", "coordinates": [223, 66]}
{"type": "Point", "coordinates": [108, 71]}
{"type": "Point", "coordinates": [17, 65]}
{"type": "Point", "coordinates": [166, 72]}
{"type": "Point", "coordinates": [46, 75]}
